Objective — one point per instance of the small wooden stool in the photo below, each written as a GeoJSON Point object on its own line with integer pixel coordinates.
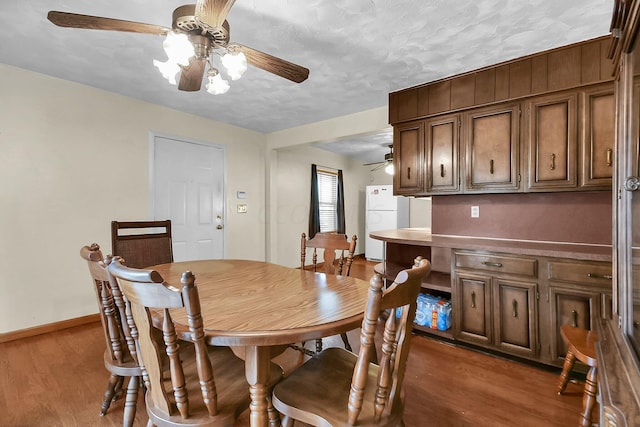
{"type": "Point", "coordinates": [581, 346]}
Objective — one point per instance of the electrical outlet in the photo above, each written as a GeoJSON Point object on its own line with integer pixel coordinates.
{"type": "Point", "coordinates": [475, 211]}
{"type": "Point", "coordinates": [242, 208]}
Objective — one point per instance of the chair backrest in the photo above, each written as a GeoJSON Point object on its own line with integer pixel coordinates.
{"type": "Point", "coordinates": [330, 242]}
{"type": "Point", "coordinates": [145, 290]}
{"type": "Point", "coordinates": [120, 342]}
{"type": "Point", "coordinates": [399, 299]}
{"type": "Point", "coordinates": [140, 246]}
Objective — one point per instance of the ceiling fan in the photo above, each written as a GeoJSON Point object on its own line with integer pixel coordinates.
{"type": "Point", "coordinates": [205, 28]}
{"type": "Point", "coordinates": [387, 164]}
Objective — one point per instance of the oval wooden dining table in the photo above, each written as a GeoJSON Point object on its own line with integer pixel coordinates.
{"type": "Point", "coordinates": [256, 306]}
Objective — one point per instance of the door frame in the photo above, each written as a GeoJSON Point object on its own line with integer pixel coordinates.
{"type": "Point", "coordinates": [152, 152]}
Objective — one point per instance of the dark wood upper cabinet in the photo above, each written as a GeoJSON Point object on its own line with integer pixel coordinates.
{"type": "Point", "coordinates": [552, 142]}
{"type": "Point", "coordinates": [441, 148]}
{"type": "Point", "coordinates": [541, 123]}
{"type": "Point", "coordinates": [491, 141]}
{"type": "Point", "coordinates": [408, 158]}
{"type": "Point", "coordinates": [596, 136]}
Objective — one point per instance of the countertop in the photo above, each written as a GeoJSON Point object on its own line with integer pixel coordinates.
{"type": "Point", "coordinates": [423, 237]}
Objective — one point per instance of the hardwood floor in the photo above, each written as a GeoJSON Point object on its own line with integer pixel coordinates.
{"type": "Point", "coordinates": [58, 379]}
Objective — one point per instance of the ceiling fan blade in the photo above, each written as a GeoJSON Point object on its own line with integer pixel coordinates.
{"type": "Point", "coordinates": [374, 163]}
{"type": "Point", "coordinates": [74, 20]}
{"type": "Point", "coordinates": [213, 12]}
{"type": "Point", "coordinates": [277, 66]}
{"type": "Point", "coordinates": [191, 75]}
{"type": "Point", "coordinates": [380, 166]}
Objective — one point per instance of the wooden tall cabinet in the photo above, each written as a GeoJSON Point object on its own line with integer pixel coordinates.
{"type": "Point", "coordinates": [491, 141]}
{"type": "Point", "coordinates": [408, 158]}
{"type": "Point", "coordinates": [618, 350]}
{"type": "Point", "coordinates": [552, 140]}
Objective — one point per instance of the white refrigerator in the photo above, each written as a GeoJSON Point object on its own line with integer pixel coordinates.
{"type": "Point", "coordinates": [384, 212]}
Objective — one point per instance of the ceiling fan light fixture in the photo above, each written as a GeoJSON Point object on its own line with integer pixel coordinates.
{"type": "Point", "coordinates": [217, 85]}
{"type": "Point", "coordinates": [169, 70]}
{"type": "Point", "coordinates": [389, 169]}
{"type": "Point", "coordinates": [235, 62]}
{"type": "Point", "coordinates": [178, 48]}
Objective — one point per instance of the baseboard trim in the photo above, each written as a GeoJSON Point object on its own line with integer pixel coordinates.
{"type": "Point", "coordinates": [49, 327]}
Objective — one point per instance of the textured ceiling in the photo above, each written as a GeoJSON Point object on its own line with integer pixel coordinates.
{"type": "Point", "coordinates": [357, 51]}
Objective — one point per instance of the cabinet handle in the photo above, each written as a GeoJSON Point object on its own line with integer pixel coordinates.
{"type": "Point", "coordinates": [441, 170]}
{"type": "Point", "coordinates": [492, 264]}
{"type": "Point", "coordinates": [473, 300]}
{"type": "Point", "coordinates": [515, 308]}
{"type": "Point", "coordinates": [574, 317]}
{"type": "Point", "coordinates": [491, 166]}
{"type": "Point", "coordinates": [552, 165]}
{"type": "Point", "coordinates": [600, 276]}
{"type": "Point", "coordinates": [609, 157]}
{"type": "Point", "coordinates": [408, 173]}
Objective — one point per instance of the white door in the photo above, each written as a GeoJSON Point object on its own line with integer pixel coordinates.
{"type": "Point", "coordinates": [188, 188]}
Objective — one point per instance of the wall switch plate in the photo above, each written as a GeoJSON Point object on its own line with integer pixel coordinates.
{"type": "Point", "coordinates": [475, 211]}
{"type": "Point", "coordinates": [242, 208]}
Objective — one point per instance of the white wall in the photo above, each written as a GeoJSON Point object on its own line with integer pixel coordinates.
{"type": "Point", "coordinates": [72, 159]}
{"type": "Point", "coordinates": [293, 183]}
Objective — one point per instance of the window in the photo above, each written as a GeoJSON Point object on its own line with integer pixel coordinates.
{"type": "Point", "coordinates": [328, 200]}
{"type": "Point", "coordinates": [326, 211]}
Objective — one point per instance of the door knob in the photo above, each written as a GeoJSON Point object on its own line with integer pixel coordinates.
{"type": "Point", "coordinates": [219, 227]}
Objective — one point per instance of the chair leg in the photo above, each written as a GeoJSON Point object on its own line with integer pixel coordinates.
{"type": "Point", "coordinates": [273, 415]}
{"type": "Point", "coordinates": [345, 340]}
{"type": "Point", "coordinates": [569, 361]}
{"type": "Point", "coordinates": [131, 402]}
{"type": "Point", "coordinates": [118, 392]}
{"type": "Point", "coordinates": [287, 421]}
{"type": "Point", "coordinates": [318, 345]}
{"type": "Point", "coordinates": [109, 393]}
{"type": "Point", "coordinates": [589, 398]}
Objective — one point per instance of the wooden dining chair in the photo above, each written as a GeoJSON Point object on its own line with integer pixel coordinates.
{"type": "Point", "coordinates": [142, 243]}
{"type": "Point", "coordinates": [181, 386]}
{"type": "Point", "coordinates": [581, 346]}
{"type": "Point", "coordinates": [338, 388]}
{"type": "Point", "coordinates": [331, 244]}
{"type": "Point", "coordinates": [120, 356]}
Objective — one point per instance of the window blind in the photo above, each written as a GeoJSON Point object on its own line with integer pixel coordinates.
{"type": "Point", "coordinates": [327, 197]}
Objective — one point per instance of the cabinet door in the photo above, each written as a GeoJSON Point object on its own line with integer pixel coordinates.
{"type": "Point", "coordinates": [408, 158]}
{"type": "Point", "coordinates": [472, 308]}
{"type": "Point", "coordinates": [515, 317]}
{"type": "Point", "coordinates": [574, 307]}
{"type": "Point", "coordinates": [552, 142]}
{"type": "Point", "coordinates": [491, 149]}
{"type": "Point", "coordinates": [598, 112]}
{"type": "Point", "coordinates": [442, 154]}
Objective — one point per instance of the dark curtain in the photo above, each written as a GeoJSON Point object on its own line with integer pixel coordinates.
{"type": "Point", "coordinates": [342, 228]}
{"type": "Point", "coordinates": [314, 209]}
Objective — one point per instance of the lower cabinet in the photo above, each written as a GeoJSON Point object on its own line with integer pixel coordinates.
{"type": "Point", "coordinates": [493, 309]}
{"type": "Point", "coordinates": [516, 305]}
{"type": "Point", "coordinates": [579, 294]}
{"type": "Point", "coordinates": [515, 320]}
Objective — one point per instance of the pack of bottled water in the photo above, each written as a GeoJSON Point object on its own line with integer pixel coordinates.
{"type": "Point", "coordinates": [433, 312]}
